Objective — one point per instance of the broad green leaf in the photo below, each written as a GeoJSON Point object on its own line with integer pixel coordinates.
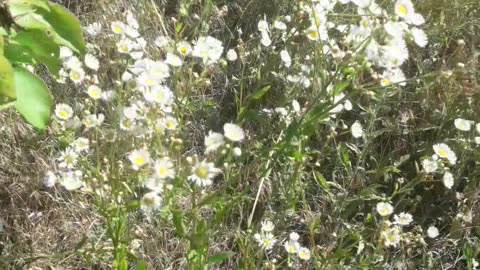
{"type": "Point", "coordinates": [33, 99]}
{"type": "Point", "coordinates": [42, 48]}
{"type": "Point", "coordinates": [18, 7]}
{"type": "Point", "coordinates": [67, 28]}
{"type": "Point", "coordinates": [7, 84]}
{"type": "Point", "coordinates": [141, 266]}
{"type": "Point", "coordinates": [17, 53]}
{"type": "Point", "coordinates": [219, 257]}
{"type": "Point", "coordinates": [33, 21]}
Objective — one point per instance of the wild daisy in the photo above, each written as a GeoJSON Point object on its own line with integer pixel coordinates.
{"type": "Point", "coordinates": [213, 141]}
{"type": "Point", "coordinates": [93, 120]}
{"type": "Point", "coordinates": [159, 94]}
{"type": "Point", "coordinates": [71, 180]}
{"type": "Point", "coordinates": [304, 253]}
{"type": "Point", "coordinates": [419, 37]}
{"type": "Point", "coordinates": [139, 158]}
{"type": "Point", "coordinates": [173, 60]}
{"type": "Point", "coordinates": [384, 208]}
{"type": "Point", "coordinates": [154, 183]}
{"type": "Point", "coordinates": [49, 179]}
{"type": "Point", "coordinates": [94, 29]}
{"type": "Point", "coordinates": [163, 168]}
{"type": "Point", "coordinates": [77, 75]}
{"type": "Point", "coordinates": [357, 130]}
{"type": "Point", "coordinates": [231, 55]}
{"type": "Point", "coordinates": [403, 219]}
{"type": "Point", "coordinates": [462, 124]}
{"type": "Point", "coordinates": [285, 57]}
{"type": "Point", "coordinates": [432, 232]}
{"type": "Point", "coordinates": [448, 180]}
{"type": "Point", "coordinates": [94, 92]}
{"type": "Point", "coordinates": [150, 202]}
{"type": "Point", "coordinates": [391, 237]}
{"type": "Point", "coordinates": [267, 226]}
{"type": "Point", "coordinates": [404, 8]}
{"type": "Point", "coordinates": [68, 159]}
{"type": "Point", "coordinates": [118, 27]}
{"type": "Point", "coordinates": [291, 246]}
{"type": "Point", "coordinates": [184, 48]}
{"type": "Point", "coordinates": [81, 144]}
{"type": "Point", "coordinates": [202, 173]}
{"type": "Point", "coordinates": [429, 166]}
{"type": "Point", "coordinates": [233, 132]}
{"type": "Point", "coordinates": [294, 236]}
{"type": "Point", "coordinates": [63, 111]}
{"type": "Point", "coordinates": [265, 240]}
{"type": "Point", "coordinates": [443, 151]}
{"type": "Point", "coordinates": [91, 62]}
{"type": "Point", "coordinates": [208, 48]}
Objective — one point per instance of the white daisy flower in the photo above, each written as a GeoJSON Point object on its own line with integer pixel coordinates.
{"type": "Point", "coordinates": [71, 180]}
{"type": "Point", "coordinates": [213, 141]}
{"type": "Point", "coordinates": [304, 254]}
{"type": "Point", "coordinates": [291, 246]}
{"type": "Point", "coordinates": [49, 179]}
{"type": "Point", "coordinates": [118, 27]}
{"type": "Point", "coordinates": [233, 132]}
{"type": "Point", "coordinates": [94, 92]}
{"type": "Point", "coordinates": [77, 75]}
{"type": "Point", "coordinates": [91, 62]}
{"type": "Point", "coordinates": [203, 173]}
{"type": "Point", "coordinates": [448, 180]}
{"type": "Point", "coordinates": [93, 29]}
{"type": "Point", "coordinates": [232, 55]}
{"type": "Point", "coordinates": [432, 232]}
{"type": "Point", "coordinates": [163, 169]}
{"type": "Point", "coordinates": [403, 219]}
{"type": "Point", "coordinates": [173, 60]}
{"type": "Point", "coordinates": [357, 130]}
{"type": "Point", "coordinates": [265, 240]}
{"type": "Point", "coordinates": [184, 48]}
{"type": "Point", "coordinates": [429, 166]}
{"type": "Point", "coordinates": [443, 151]}
{"type": "Point", "coordinates": [294, 236]}
{"type": "Point", "coordinates": [63, 111]}
{"type": "Point", "coordinates": [462, 124]}
{"type": "Point", "coordinates": [391, 237]}
{"type": "Point", "coordinates": [150, 202]}
{"type": "Point", "coordinates": [404, 8]}
{"type": "Point", "coordinates": [419, 37]}
{"type": "Point", "coordinates": [384, 208]}
{"type": "Point", "coordinates": [81, 144]}
{"type": "Point", "coordinates": [139, 158]}
{"type": "Point", "coordinates": [267, 226]}
{"type": "Point", "coordinates": [286, 59]}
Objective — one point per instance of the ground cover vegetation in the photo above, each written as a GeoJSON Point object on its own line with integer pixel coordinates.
{"type": "Point", "coordinates": [247, 134]}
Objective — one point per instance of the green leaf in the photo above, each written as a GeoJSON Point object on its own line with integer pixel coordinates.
{"type": "Point", "coordinates": [178, 222]}
{"type": "Point", "coordinates": [33, 99]}
{"type": "Point", "coordinates": [141, 266]}
{"type": "Point", "coordinates": [33, 21]}
{"type": "Point", "coordinates": [67, 28]}
{"type": "Point", "coordinates": [219, 257]}
{"type": "Point", "coordinates": [17, 53]}
{"type": "Point", "coordinates": [42, 48]}
{"type": "Point", "coordinates": [260, 93]}
{"type": "Point", "coordinates": [2, 44]}
{"type": "Point", "coordinates": [7, 84]}
{"type": "Point", "coordinates": [321, 181]}
{"type": "Point", "coordinates": [18, 7]}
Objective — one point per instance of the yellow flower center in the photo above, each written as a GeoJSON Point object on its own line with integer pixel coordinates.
{"type": "Point", "coordinates": [442, 153]}
{"type": "Point", "coordinates": [117, 29]}
{"type": "Point", "coordinates": [139, 160]}
{"type": "Point", "coordinates": [170, 125]}
{"type": "Point", "coordinates": [201, 172]}
{"type": "Point", "coordinates": [402, 9]}
{"type": "Point", "coordinates": [183, 50]}
{"type": "Point", "coordinates": [123, 48]}
{"type": "Point", "coordinates": [313, 34]}
{"type": "Point", "coordinates": [162, 170]}
{"type": "Point", "coordinates": [94, 94]}
{"type": "Point", "coordinates": [63, 114]}
{"type": "Point", "coordinates": [75, 76]}
{"type": "Point", "coordinates": [302, 255]}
